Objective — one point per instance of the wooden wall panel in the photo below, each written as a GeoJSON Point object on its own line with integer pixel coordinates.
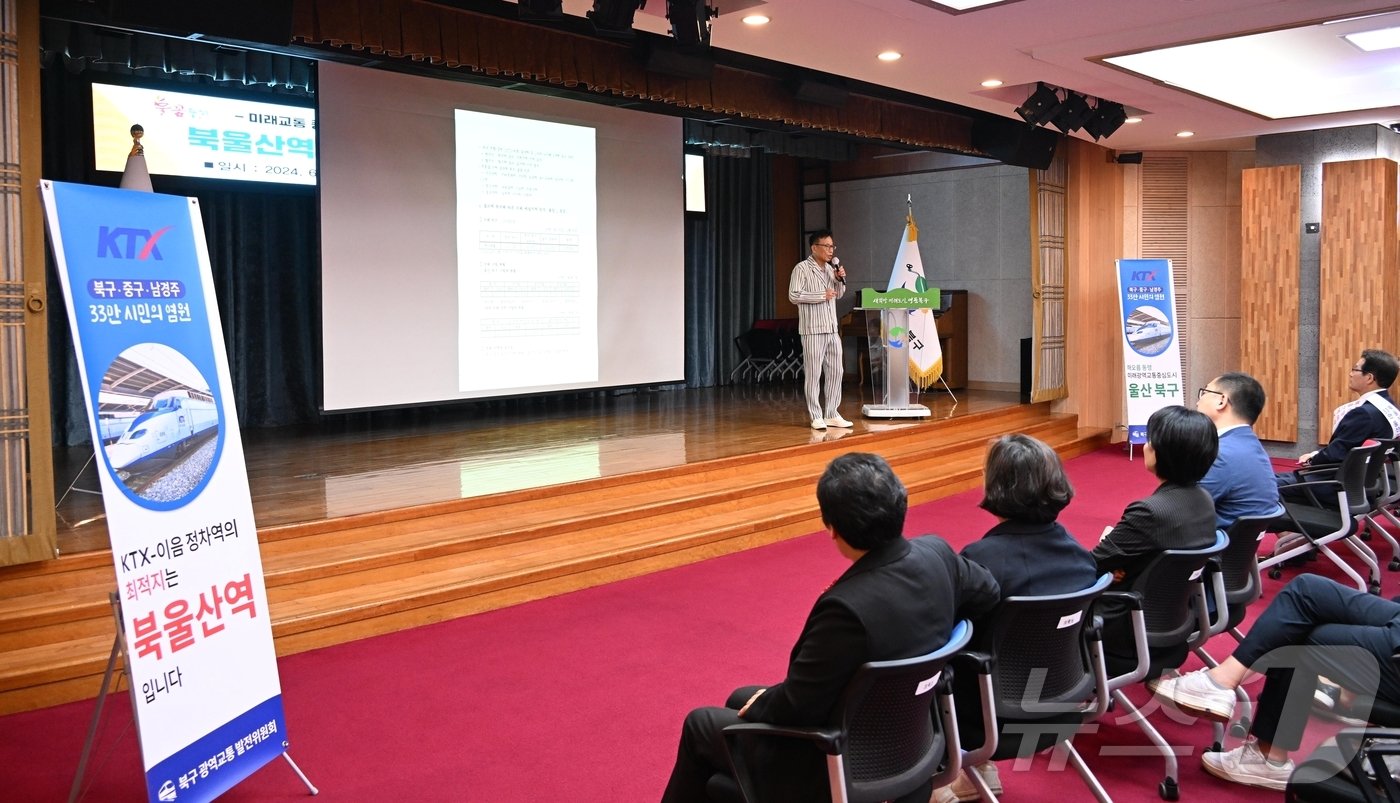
{"type": "Point", "coordinates": [1360, 287]}
{"type": "Point", "coordinates": [1093, 328]}
{"type": "Point", "coordinates": [1271, 222]}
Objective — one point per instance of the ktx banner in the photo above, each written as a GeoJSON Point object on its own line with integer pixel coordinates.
{"type": "Point", "coordinates": [140, 296]}
{"type": "Point", "coordinates": [1151, 351]}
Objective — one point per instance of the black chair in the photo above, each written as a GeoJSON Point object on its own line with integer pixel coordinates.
{"type": "Point", "coordinates": [759, 348]}
{"type": "Point", "coordinates": [883, 741]}
{"type": "Point", "coordinates": [1175, 620]}
{"type": "Point", "coordinates": [1322, 525]}
{"type": "Point", "coordinates": [1350, 770]}
{"type": "Point", "coordinates": [1047, 676]}
{"type": "Point", "coordinates": [1386, 497]}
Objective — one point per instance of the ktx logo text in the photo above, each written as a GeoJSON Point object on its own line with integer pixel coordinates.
{"type": "Point", "coordinates": [118, 242]}
{"type": "Point", "coordinates": [1138, 275]}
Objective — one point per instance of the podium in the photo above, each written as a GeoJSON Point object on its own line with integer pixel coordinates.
{"type": "Point", "coordinates": [887, 325]}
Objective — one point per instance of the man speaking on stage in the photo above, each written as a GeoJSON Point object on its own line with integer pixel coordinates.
{"type": "Point", "coordinates": [817, 282]}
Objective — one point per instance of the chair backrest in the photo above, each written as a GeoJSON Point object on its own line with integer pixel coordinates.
{"type": "Point", "coordinates": [1239, 563]}
{"type": "Point", "coordinates": [894, 742]}
{"type": "Point", "coordinates": [1168, 587]}
{"type": "Point", "coordinates": [1356, 475]}
{"type": "Point", "coordinates": [1387, 489]}
{"type": "Point", "coordinates": [1041, 665]}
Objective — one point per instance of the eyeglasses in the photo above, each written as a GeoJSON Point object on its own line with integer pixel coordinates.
{"type": "Point", "coordinates": [1359, 370]}
{"type": "Point", "coordinates": [827, 246]}
{"type": "Point", "coordinates": [1201, 392]}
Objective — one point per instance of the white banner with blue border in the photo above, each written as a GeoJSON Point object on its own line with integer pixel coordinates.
{"type": "Point", "coordinates": [140, 296]}
{"type": "Point", "coordinates": [1151, 348]}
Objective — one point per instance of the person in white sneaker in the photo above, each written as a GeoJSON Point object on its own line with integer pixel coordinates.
{"type": "Point", "coordinates": [1314, 626]}
{"type": "Point", "coordinates": [817, 282]}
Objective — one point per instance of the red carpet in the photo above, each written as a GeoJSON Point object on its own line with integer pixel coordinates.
{"type": "Point", "coordinates": [580, 697]}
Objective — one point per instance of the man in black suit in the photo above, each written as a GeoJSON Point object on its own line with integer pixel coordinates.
{"type": "Point", "coordinates": [899, 599]}
{"type": "Point", "coordinates": [1372, 415]}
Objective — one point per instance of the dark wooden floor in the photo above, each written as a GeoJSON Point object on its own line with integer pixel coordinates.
{"type": "Point", "coordinates": [299, 476]}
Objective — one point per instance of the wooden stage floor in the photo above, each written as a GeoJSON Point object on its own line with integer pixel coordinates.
{"type": "Point", "coordinates": [360, 465]}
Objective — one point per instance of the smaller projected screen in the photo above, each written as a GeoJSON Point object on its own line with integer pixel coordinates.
{"type": "Point", "coordinates": [694, 182]}
{"type": "Point", "coordinates": [202, 136]}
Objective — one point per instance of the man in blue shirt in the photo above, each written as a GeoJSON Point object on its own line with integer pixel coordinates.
{"type": "Point", "coordinates": [1241, 481]}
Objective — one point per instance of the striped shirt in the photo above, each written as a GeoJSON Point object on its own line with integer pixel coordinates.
{"type": "Point", "coordinates": [816, 314]}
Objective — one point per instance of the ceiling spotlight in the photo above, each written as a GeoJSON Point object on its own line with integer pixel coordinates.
{"type": "Point", "coordinates": [1040, 105]}
{"type": "Point", "coordinates": [613, 18]}
{"type": "Point", "coordinates": [991, 83]}
{"type": "Point", "coordinates": [1133, 120]}
{"type": "Point", "coordinates": [890, 55]}
{"type": "Point", "coordinates": [690, 21]}
{"type": "Point", "coordinates": [756, 19]}
{"type": "Point", "coordinates": [1107, 118]}
{"type": "Point", "coordinates": [1072, 113]}
{"type": "Point", "coordinates": [540, 9]}
{"type": "Point", "coordinates": [1185, 134]}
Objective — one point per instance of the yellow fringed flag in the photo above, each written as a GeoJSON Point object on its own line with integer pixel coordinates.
{"type": "Point", "coordinates": [925, 353]}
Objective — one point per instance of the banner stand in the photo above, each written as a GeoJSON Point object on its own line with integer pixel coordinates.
{"type": "Point", "coordinates": [73, 486]}
{"type": "Point", "coordinates": [119, 650]}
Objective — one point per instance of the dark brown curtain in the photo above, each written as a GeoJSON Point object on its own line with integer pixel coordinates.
{"type": "Point", "coordinates": [458, 39]}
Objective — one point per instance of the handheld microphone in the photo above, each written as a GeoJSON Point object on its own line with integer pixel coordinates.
{"type": "Point", "coordinates": [836, 265]}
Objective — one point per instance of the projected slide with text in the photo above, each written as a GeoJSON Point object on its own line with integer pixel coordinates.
{"type": "Point", "coordinates": [527, 252]}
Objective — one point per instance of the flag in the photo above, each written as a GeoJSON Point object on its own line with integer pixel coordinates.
{"type": "Point", "coordinates": [925, 354]}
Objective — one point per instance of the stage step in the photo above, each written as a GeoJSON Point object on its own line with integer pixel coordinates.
{"type": "Point", "coordinates": [343, 579]}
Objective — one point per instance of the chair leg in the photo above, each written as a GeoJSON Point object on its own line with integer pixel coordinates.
{"type": "Point", "coordinates": [1167, 789]}
{"type": "Point", "coordinates": [1084, 772]}
{"type": "Point", "coordinates": [1389, 539]}
{"type": "Point", "coordinates": [836, 776]}
{"type": "Point", "coordinates": [984, 792]}
{"type": "Point", "coordinates": [1361, 550]}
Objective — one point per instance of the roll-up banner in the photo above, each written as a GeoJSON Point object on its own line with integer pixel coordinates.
{"type": "Point", "coordinates": [1151, 351]}
{"type": "Point", "coordinates": [155, 377]}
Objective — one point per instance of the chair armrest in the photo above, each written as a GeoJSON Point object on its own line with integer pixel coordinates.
{"type": "Point", "coordinates": [974, 661]}
{"type": "Point", "coordinates": [1133, 601]}
{"type": "Point", "coordinates": [829, 740]}
{"type": "Point", "coordinates": [1311, 486]}
{"type": "Point", "coordinates": [980, 664]}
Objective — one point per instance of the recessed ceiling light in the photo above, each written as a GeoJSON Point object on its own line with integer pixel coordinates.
{"type": "Point", "coordinates": [1382, 39]}
{"type": "Point", "coordinates": [1133, 120]}
{"type": "Point", "coordinates": [1185, 134]}
{"type": "Point", "coordinates": [890, 55]}
{"type": "Point", "coordinates": [991, 82]}
{"type": "Point", "coordinates": [756, 19]}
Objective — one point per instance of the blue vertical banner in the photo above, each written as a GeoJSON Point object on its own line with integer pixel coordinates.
{"type": "Point", "coordinates": [140, 296]}
{"type": "Point", "coordinates": [1151, 348]}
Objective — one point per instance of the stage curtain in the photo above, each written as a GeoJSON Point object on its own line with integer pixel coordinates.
{"type": "Point", "coordinates": [265, 259]}
{"type": "Point", "coordinates": [729, 265]}
{"type": "Point", "coordinates": [455, 38]}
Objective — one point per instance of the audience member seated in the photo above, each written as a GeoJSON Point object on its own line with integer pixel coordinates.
{"type": "Point", "coordinates": [1335, 630]}
{"type": "Point", "coordinates": [1181, 446]}
{"type": "Point", "coordinates": [899, 599]}
{"type": "Point", "coordinates": [1241, 480]}
{"type": "Point", "coordinates": [1029, 554]}
{"type": "Point", "coordinates": [1373, 415]}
